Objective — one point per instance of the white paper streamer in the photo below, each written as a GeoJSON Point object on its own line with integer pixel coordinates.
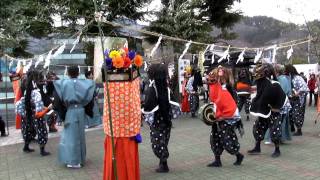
{"type": "Point", "coordinates": [47, 61]}
{"type": "Point", "coordinates": [79, 69]}
{"type": "Point", "coordinates": [59, 50]}
{"type": "Point", "coordinates": [10, 64]}
{"type": "Point", "coordinates": [65, 71]}
{"type": "Point", "coordinates": [211, 49]}
{"type": "Point", "coordinates": [156, 46]}
{"type": "Point", "coordinates": [40, 59]}
{"type": "Point", "coordinates": [185, 50]}
{"type": "Point", "coordinates": [274, 54]}
{"type": "Point", "coordinates": [241, 58]}
{"type": "Point", "coordinates": [27, 67]}
{"type": "Point", "coordinates": [18, 66]}
{"type": "Point", "coordinates": [89, 68]}
{"type": "Point", "coordinates": [258, 56]}
{"type": "Point", "coordinates": [75, 42]}
{"type": "Point", "coordinates": [289, 53]}
{"type": "Point", "coordinates": [225, 55]}
{"type": "Point", "coordinates": [208, 46]}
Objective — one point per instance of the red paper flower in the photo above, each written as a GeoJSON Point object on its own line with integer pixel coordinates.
{"type": "Point", "coordinates": [127, 62]}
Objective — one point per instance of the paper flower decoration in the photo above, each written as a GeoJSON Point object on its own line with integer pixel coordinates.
{"type": "Point", "coordinates": [114, 54]}
{"type": "Point", "coordinates": [118, 62]}
{"type": "Point", "coordinates": [109, 63]}
{"type": "Point", "coordinates": [132, 54]}
{"type": "Point", "coordinates": [127, 62]}
{"type": "Point", "coordinates": [138, 61]}
{"type": "Point", "coordinates": [126, 50]}
{"type": "Point", "coordinates": [123, 59]}
{"type": "Point", "coordinates": [106, 53]}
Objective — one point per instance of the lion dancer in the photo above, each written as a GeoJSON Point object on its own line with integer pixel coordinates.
{"type": "Point", "coordinates": [267, 108]}
{"type": "Point", "coordinates": [32, 111]}
{"type": "Point", "coordinates": [223, 135]}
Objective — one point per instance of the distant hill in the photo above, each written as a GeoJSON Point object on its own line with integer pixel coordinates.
{"type": "Point", "coordinates": [260, 31]}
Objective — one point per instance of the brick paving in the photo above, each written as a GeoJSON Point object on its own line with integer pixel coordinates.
{"type": "Point", "coordinates": [189, 154]}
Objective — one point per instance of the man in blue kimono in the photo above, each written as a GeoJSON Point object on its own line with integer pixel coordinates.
{"type": "Point", "coordinates": [73, 99]}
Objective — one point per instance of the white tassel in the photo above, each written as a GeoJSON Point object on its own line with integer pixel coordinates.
{"type": "Point", "coordinates": [145, 66]}
{"type": "Point", "coordinates": [289, 53]}
{"type": "Point", "coordinates": [47, 60]}
{"type": "Point", "coordinates": [40, 59]}
{"type": "Point", "coordinates": [156, 46]}
{"type": "Point", "coordinates": [258, 56]}
{"type": "Point", "coordinates": [79, 69]}
{"type": "Point", "coordinates": [225, 55]}
{"type": "Point", "coordinates": [59, 50]}
{"type": "Point", "coordinates": [185, 50]}
{"type": "Point", "coordinates": [241, 56]}
{"type": "Point", "coordinates": [89, 68]}
{"type": "Point", "coordinates": [75, 42]}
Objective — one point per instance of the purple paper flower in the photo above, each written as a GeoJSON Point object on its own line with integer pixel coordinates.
{"type": "Point", "coordinates": [109, 63]}
{"type": "Point", "coordinates": [131, 55]}
{"type": "Point", "coordinates": [106, 53]}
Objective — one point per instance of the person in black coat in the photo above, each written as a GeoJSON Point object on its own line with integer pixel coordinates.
{"type": "Point", "coordinates": [2, 127]}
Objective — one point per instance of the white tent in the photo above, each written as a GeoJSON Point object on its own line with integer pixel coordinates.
{"type": "Point", "coordinates": [307, 69]}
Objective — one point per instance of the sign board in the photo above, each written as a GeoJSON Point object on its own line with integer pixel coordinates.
{"type": "Point", "coordinates": [183, 63]}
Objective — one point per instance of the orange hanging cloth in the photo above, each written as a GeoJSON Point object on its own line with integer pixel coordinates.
{"type": "Point", "coordinates": [17, 96]}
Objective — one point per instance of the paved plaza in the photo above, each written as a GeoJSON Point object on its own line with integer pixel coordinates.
{"type": "Point", "coordinates": [189, 154]}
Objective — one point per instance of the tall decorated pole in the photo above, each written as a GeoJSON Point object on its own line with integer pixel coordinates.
{"type": "Point", "coordinates": [114, 161]}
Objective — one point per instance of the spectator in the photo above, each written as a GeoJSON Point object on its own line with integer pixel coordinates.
{"type": "Point", "coordinates": [312, 86]}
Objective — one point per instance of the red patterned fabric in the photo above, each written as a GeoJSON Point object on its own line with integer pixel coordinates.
{"type": "Point", "coordinates": [125, 108]}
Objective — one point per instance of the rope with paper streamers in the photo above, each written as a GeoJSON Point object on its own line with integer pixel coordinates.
{"type": "Point", "coordinates": [59, 50]}
{"type": "Point", "coordinates": [279, 45]}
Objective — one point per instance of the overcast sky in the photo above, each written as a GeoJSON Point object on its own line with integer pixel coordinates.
{"type": "Point", "coordinates": [285, 10]}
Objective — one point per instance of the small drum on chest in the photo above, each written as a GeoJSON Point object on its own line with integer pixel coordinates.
{"type": "Point", "coordinates": [207, 114]}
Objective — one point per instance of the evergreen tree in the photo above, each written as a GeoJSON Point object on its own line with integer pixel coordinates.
{"type": "Point", "coordinates": [193, 20]}
{"type": "Point", "coordinates": [21, 19]}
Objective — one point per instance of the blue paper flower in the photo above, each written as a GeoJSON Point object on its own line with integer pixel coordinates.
{"type": "Point", "coordinates": [131, 55]}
